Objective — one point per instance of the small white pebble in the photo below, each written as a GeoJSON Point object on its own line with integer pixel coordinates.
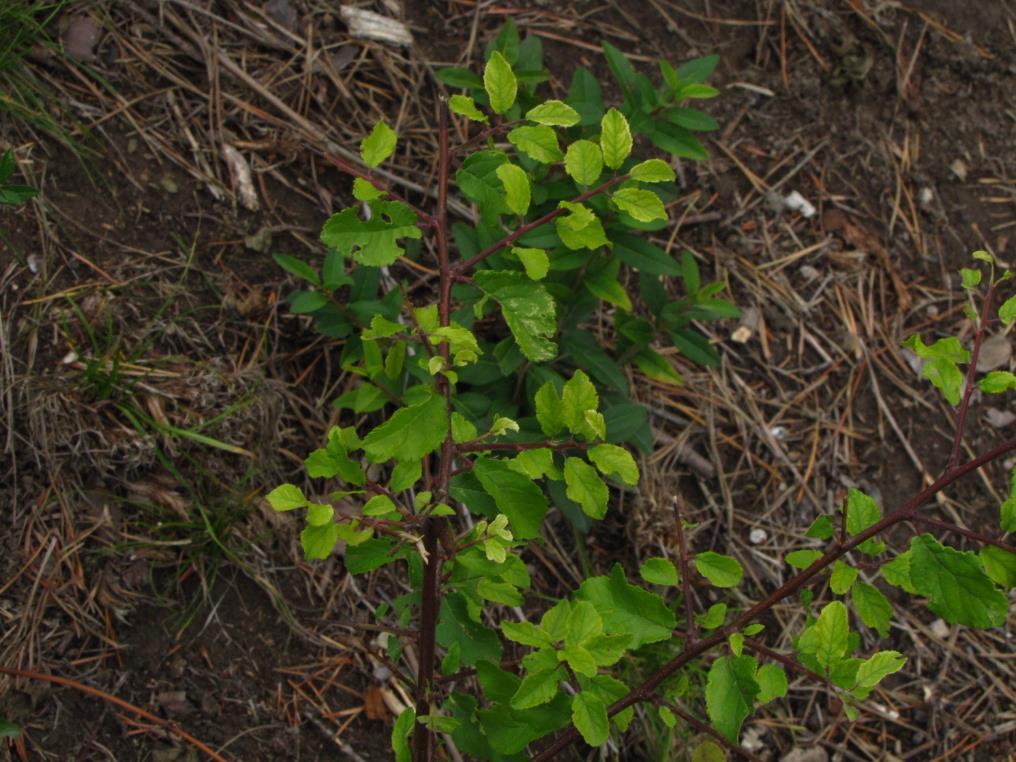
{"type": "Point", "coordinates": [757, 535]}
{"type": "Point", "coordinates": [70, 357]}
{"type": "Point", "coordinates": [940, 629]}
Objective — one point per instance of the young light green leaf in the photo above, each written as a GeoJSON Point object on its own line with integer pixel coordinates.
{"type": "Point", "coordinates": [500, 83]}
{"type": "Point", "coordinates": [298, 268]}
{"type": "Point", "coordinates": [971, 278]}
{"type": "Point", "coordinates": [880, 665]}
{"type": "Point", "coordinates": [1007, 312]}
{"type": "Point", "coordinates": [589, 714]}
{"type": "Point", "coordinates": [827, 639]}
{"type": "Point", "coordinates": [627, 609]}
{"type": "Point", "coordinates": [712, 617]}
{"type": "Point", "coordinates": [318, 542]}
{"type": "Point", "coordinates": [955, 583]}
{"type": "Point", "coordinates": [583, 624]}
{"type": "Point", "coordinates": [515, 495]}
{"type": "Point", "coordinates": [554, 113]}
{"type": "Point", "coordinates": [983, 256]}
{"type": "Point", "coordinates": [502, 425]}
{"type": "Point", "coordinates": [528, 309]}
{"type": "Point", "coordinates": [997, 382]}
{"type": "Point", "coordinates": [652, 171]}
{"type": "Point", "coordinates": [615, 138]}
{"type": "Point", "coordinates": [863, 512]}
{"type": "Point", "coordinates": [463, 105]}
{"type": "Point", "coordinates": [999, 564]}
{"type": "Point", "coordinates": [400, 735]}
{"type": "Point", "coordinates": [372, 242]}
{"type": "Point", "coordinates": [581, 229]}
{"type": "Point", "coordinates": [526, 633]}
{"type": "Point", "coordinates": [722, 571]}
{"type": "Point", "coordinates": [772, 682]}
{"type": "Point", "coordinates": [730, 693]}
{"type": "Point", "coordinates": [946, 377]}
{"type": "Point", "coordinates": [538, 143]}
{"type": "Point", "coordinates": [802, 559]}
{"type": "Point", "coordinates": [659, 571]}
{"type": "Point", "coordinates": [537, 689]}
{"type": "Point", "coordinates": [583, 162]}
{"type": "Point", "coordinates": [872, 607]}
{"type": "Point", "coordinates": [948, 348]}
{"type": "Point", "coordinates": [535, 261]}
{"type": "Point", "coordinates": [286, 497]}
{"type": "Point", "coordinates": [735, 641]}
{"type": "Point", "coordinates": [842, 578]}
{"type": "Point", "coordinates": [378, 145]}
{"type": "Point", "coordinates": [379, 505]}
{"type": "Point", "coordinates": [643, 205]}
{"type": "Point", "coordinates": [365, 190]}
{"type": "Point", "coordinates": [516, 187]}
{"type": "Point", "coordinates": [578, 396]}
{"type": "Point", "coordinates": [585, 487]}
{"type": "Point", "coordinates": [1007, 511]}
{"type": "Point", "coordinates": [821, 528]}
{"type": "Point", "coordinates": [319, 514]}
{"type": "Point", "coordinates": [549, 410]}
{"type": "Point", "coordinates": [897, 573]}
{"type": "Point", "coordinates": [410, 433]}
{"type": "Point", "coordinates": [611, 459]}
{"type": "Point", "coordinates": [463, 429]}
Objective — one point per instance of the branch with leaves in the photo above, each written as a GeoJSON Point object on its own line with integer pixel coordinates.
{"type": "Point", "coordinates": [480, 410]}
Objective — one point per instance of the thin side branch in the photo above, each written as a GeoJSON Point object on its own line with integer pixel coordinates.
{"type": "Point", "coordinates": [682, 550]}
{"type": "Point", "coordinates": [961, 416]}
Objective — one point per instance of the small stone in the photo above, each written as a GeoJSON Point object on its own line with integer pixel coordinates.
{"type": "Point", "coordinates": [959, 168]}
{"type": "Point", "coordinates": [814, 754]}
{"type": "Point", "coordinates": [808, 272]}
{"type": "Point", "coordinates": [940, 629]}
{"type": "Point", "coordinates": [996, 351]}
{"type": "Point", "coordinates": [999, 419]}
{"type": "Point", "coordinates": [925, 197]}
{"type": "Point", "coordinates": [169, 185]}
{"type": "Point", "coordinates": [757, 535]}
{"type": "Point", "coordinates": [260, 242]}
{"type": "Point", "coordinates": [80, 38]}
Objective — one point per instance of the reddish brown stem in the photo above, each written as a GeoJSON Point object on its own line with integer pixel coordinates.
{"type": "Point", "coordinates": [948, 526]}
{"type": "Point", "coordinates": [508, 240]}
{"type": "Point", "coordinates": [691, 651]}
{"type": "Point", "coordinates": [961, 416]}
{"type": "Point", "coordinates": [682, 550]}
{"type": "Point", "coordinates": [703, 727]}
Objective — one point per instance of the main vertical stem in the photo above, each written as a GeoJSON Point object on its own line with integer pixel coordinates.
{"type": "Point", "coordinates": [434, 527]}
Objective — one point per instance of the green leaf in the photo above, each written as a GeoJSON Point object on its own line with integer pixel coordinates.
{"type": "Point", "coordinates": [580, 229]}
{"type": "Point", "coordinates": [983, 256]}
{"type": "Point", "coordinates": [722, 571]}
{"type": "Point", "coordinates": [620, 67]}
{"type": "Point", "coordinates": [318, 542]}
{"type": "Point", "coordinates": [897, 573]}
{"type": "Point", "coordinates": [955, 583]}
{"type": "Point", "coordinates": [644, 256]}
{"type": "Point", "coordinates": [369, 555]}
{"type": "Point", "coordinates": [691, 119]}
{"type": "Point", "coordinates": [463, 105]}
{"type": "Point", "coordinates": [971, 278]}
{"type": "Point", "coordinates": [802, 559]}
{"type": "Point", "coordinates": [478, 181]}
{"type": "Point", "coordinates": [455, 625]}
{"type": "Point", "coordinates": [379, 145]}
{"type": "Point", "coordinates": [605, 285]}
{"type": "Point", "coordinates": [528, 309]}
{"type": "Point", "coordinates": [577, 396]}
{"type": "Point", "coordinates": [286, 497]}
{"type": "Point", "coordinates": [8, 729]}
{"type": "Point", "coordinates": [305, 302]}
{"type": "Point", "coordinates": [627, 609]}
{"type": "Point", "coordinates": [372, 242]}
{"type": "Point", "coordinates": [948, 348]}
{"type": "Point", "coordinates": [1007, 312]}
{"type": "Point", "coordinates": [589, 714]}
{"type": "Point", "coordinates": [730, 693]}
{"type": "Point", "coordinates": [506, 43]}
{"type": "Point", "coordinates": [607, 650]}
{"type": "Point", "coordinates": [319, 514]}
{"type": "Point", "coordinates": [554, 113]}
{"type": "Point", "coordinates": [676, 140]}
{"type": "Point", "coordinates": [999, 564]}
{"type": "Point", "coordinates": [586, 97]}
{"type": "Point", "coordinates": [772, 682]}
{"type": "Point", "coordinates": [696, 91]}
{"type": "Point", "coordinates": [583, 624]}
{"type": "Point", "coordinates": [615, 138]}
{"type": "Point", "coordinates": [298, 268]}
{"type": "Point", "coordinates": [535, 261]}
{"type": "Point", "coordinates": [585, 487]}
{"type": "Point", "coordinates": [463, 429]}
{"type": "Point", "coordinates": [537, 689]}
{"type": "Point", "coordinates": [707, 751]}
{"type": "Point", "coordinates": [872, 607]}
{"type": "Point", "coordinates": [821, 528]}
{"type": "Point", "coordinates": [400, 735]}
{"type": "Point", "coordinates": [863, 512]}
{"type": "Point", "coordinates": [872, 670]}
{"type": "Point", "coordinates": [458, 77]}
{"type": "Point", "coordinates": [713, 617]}
{"type": "Point", "coordinates": [1007, 511]}
{"type": "Point", "coordinates": [697, 70]}
{"type": "Point", "coordinates": [500, 83]}
{"type": "Point", "coordinates": [842, 578]}
{"type": "Point", "coordinates": [7, 165]}
{"type": "Point", "coordinates": [584, 162]}
{"type": "Point", "coordinates": [549, 410]}
{"type": "Point", "coordinates": [657, 367]}
{"type": "Point", "coordinates": [382, 328]}
{"type": "Point", "coordinates": [659, 571]}
{"type": "Point", "coordinates": [17, 194]}
{"type": "Point", "coordinates": [997, 382]}
{"type": "Point", "coordinates": [410, 433]}
{"type": "Point", "coordinates": [516, 186]}
{"type": "Point", "coordinates": [653, 171]}
{"type": "Point", "coordinates": [528, 634]}
{"type": "Point", "coordinates": [364, 190]}
{"type": "Point", "coordinates": [379, 505]}
{"type": "Point", "coordinates": [946, 377]}
{"type": "Point", "coordinates": [643, 205]}
{"type": "Point", "coordinates": [828, 638]}
{"type": "Point", "coordinates": [611, 459]}
{"type": "Point", "coordinates": [514, 494]}
{"type": "Point", "coordinates": [538, 143]}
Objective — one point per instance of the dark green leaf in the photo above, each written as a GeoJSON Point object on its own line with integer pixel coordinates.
{"type": "Point", "coordinates": [628, 610]}
{"type": "Point", "coordinates": [410, 433]}
{"type": "Point", "coordinates": [698, 69]}
{"type": "Point", "coordinates": [589, 714]}
{"type": "Point", "coordinates": [476, 642]}
{"type": "Point", "coordinates": [643, 255]}
{"type": "Point", "coordinates": [457, 77]}
{"type": "Point", "coordinates": [515, 495]}
{"type": "Point", "coordinates": [1000, 565]}
{"type": "Point", "coordinates": [585, 487]}
{"type": "Point", "coordinates": [621, 68]}
{"type": "Point", "coordinates": [872, 607]}
{"type": "Point", "coordinates": [586, 97]}
{"type": "Point", "coordinates": [730, 693]}
{"type": "Point", "coordinates": [528, 309]}
{"type": "Point", "coordinates": [955, 583]}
